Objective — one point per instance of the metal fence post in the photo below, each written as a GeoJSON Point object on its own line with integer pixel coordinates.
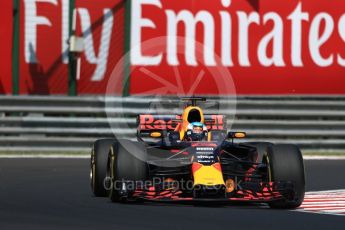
{"type": "Point", "coordinates": [127, 41]}
{"type": "Point", "coordinates": [15, 47]}
{"type": "Point", "coordinates": [72, 81]}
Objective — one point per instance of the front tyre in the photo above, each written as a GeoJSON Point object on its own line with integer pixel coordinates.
{"type": "Point", "coordinates": [285, 163]}
{"type": "Point", "coordinates": [99, 157]}
{"type": "Point", "coordinates": [127, 163]}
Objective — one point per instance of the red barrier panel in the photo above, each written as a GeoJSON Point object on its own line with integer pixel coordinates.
{"type": "Point", "coordinates": [43, 47]}
{"type": "Point", "coordinates": [6, 47]}
{"type": "Point", "coordinates": [42, 70]}
{"type": "Point", "coordinates": [268, 47]}
{"type": "Point", "coordinates": [106, 46]}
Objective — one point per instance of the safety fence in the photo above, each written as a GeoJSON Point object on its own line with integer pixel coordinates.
{"type": "Point", "coordinates": [59, 123]}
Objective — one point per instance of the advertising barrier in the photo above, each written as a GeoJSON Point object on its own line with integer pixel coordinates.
{"type": "Point", "coordinates": [178, 47]}
{"type": "Point", "coordinates": [269, 47]}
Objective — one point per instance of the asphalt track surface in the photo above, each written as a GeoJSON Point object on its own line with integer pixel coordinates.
{"type": "Point", "coordinates": [55, 194]}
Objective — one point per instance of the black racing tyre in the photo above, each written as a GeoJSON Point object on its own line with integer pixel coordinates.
{"type": "Point", "coordinates": [261, 148]}
{"type": "Point", "coordinates": [99, 158]}
{"type": "Point", "coordinates": [286, 164]}
{"type": "Point", "coordinates": [127, 161]}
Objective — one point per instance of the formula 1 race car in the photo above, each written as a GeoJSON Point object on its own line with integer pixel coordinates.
{"type": "Point", "coordinates": [192, 157]}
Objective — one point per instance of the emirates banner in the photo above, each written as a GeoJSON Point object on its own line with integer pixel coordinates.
{"type": "Point", "coordinates": [181, 47]}
{"type": "Point", "coordinates": [268, 47]}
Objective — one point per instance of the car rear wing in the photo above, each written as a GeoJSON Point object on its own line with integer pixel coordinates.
{"type": "Point", "coordinates": [148, 123]}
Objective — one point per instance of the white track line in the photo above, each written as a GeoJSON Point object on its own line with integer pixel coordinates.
{"type": "Point", "coordinates": [322, 204]}
{"type": "Point", "coordinates": [335, 191]}
{"type": "Point", "coordinates": [321, 208]}
{"type": "Point", "coordinates": [316, 157]}
{"type": "Point", "coordinates": [329, 202]}
{"type": "Point", "coordinates": [326, 199]}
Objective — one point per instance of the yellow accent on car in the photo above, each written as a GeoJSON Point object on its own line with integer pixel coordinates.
{"type": "Point", "coordinates": [209, 136]}
{"type": "Point", "coordinates": [240, 135]}
{"type": "Point", "coordinates": [155, 134]}
{"type": "Point", "coordinates": [185, 121]}
{"type": "Point", "coordinates": [208, 175]}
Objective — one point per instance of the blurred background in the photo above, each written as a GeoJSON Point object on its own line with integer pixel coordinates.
{"type": "Point", "coordinates": [282, 62]}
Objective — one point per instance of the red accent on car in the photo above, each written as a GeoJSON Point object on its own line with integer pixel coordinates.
{"type": "Point", "coordinates": [196, 166]}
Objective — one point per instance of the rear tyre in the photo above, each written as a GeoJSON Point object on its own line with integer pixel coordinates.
{"type": "Point", "coordinates": [286, 164]}
{"type": "Point", "coordinates": [99, 157]}
{"type": "Point", "coordinates": [127, 162]}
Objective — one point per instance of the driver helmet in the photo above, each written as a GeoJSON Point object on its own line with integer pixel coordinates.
{"type": "Point", "coordinates": [196, 131]}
